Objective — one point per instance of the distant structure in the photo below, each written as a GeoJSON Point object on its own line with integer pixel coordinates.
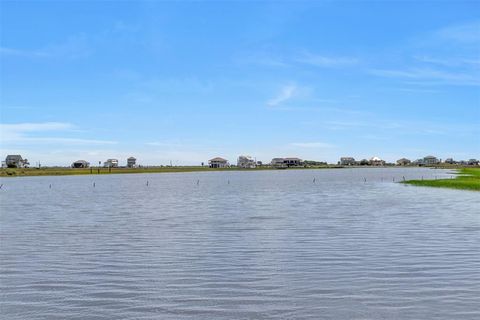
{"type": "Point", "coordinates": [376, 161]}
{"type": "Point", "coordinates": [246, 162]}
{"type": "Point", "coordinates": [347, 161]}
{"type": "Point", "coordinates": [450, 161]}
{"type": "Point", "coordinates": [403, 162]}
{"type": "Point", "coordinates": [80, 164]}
{"type": "Point", "coordinates": [430, 160]}
{"type": "Point", "coordinates": [16, 161]}
{"type": "Point", "coordinates": [286, 162]}
{"type": "Point", "coordinates": [131, 162]}
{"type": "Point", "coordinates": [278, 162]}
{"type": "Point", "coordinates": [218, 163]}
{"type": "Point", "coordinates": [473, 162]}
{"type": "Point", "coordinates": [111, 163]}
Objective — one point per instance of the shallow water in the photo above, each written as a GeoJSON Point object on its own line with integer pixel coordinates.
{"type": "Point", "coordinates": [239, 245]}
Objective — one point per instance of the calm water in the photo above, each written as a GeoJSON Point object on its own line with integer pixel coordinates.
{"type": "Point", "coordinates": [239, 245]}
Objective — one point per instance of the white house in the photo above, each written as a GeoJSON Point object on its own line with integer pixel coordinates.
{"type": "Point", "coordinates": [111, 163]}
{"type": "Point", "coordinates": [218, 163]}
{"type": "Point", "coordinates": [246, 162]}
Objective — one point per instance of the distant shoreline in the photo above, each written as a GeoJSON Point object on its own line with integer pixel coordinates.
{"type": "Point", "coordinates": [64, 171]}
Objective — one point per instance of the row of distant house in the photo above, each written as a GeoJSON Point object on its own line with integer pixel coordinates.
{"type": "Point", "coordinates": [109, 163]}
{"type": "Point", "coordinates": [425, 161]}
{"type": "Point", "coordinates": [247, 162]}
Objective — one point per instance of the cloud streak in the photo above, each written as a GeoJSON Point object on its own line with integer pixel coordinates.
{"type": "Point", "coordinates": [287, 93]}
{"type": "Point", "coordinates": [22, 133]}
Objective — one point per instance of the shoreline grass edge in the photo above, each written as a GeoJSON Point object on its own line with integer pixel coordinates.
{"type": "Point", "coordinates": [467, 179]}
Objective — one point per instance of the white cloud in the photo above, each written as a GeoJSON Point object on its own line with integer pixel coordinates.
{"type": "Point", "coordinates": [285, 94]}
{"type": "Point", "coordinates": [325, 61]}
{"type": "Point", "coordinates": [432, 76]}
{"type": "Point", "coordinates": [22, 133]}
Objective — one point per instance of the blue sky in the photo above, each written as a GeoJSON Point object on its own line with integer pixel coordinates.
{"type": "Point", "coordinates": [186, 81]}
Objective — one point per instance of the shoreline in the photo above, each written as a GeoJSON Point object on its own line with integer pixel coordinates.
{"type": "Point", "coordinates": [66, 171]}
{"type": "Point", "coordinates": [466, 179]}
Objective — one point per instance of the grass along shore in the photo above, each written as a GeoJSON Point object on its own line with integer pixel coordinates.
{"type": "Point", "coordinates": [467, 179]}
{"type": "Point", "coordinates": [64, 171]}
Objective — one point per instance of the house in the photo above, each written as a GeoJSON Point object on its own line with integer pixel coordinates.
{"type": "Point", "coordinates": [16, 161]}
{"type": "Point", "coordinates": [403, 162]}
{"type": "Point", "coordinates": [111, 163]}
{"type": "Point", "coordinates": [293, 162]}
{"type": "Point", "coordinates": [473, 162]}
{"type": "Point", "coordinates": [218, 163]}
{"type": "Point", "coordinates": [418, 162]}
{"type": "Point", "coordinates": [450, 161]}
{"type": "Point", "coordinates": [131, 162]}
{"type": "Point", "coordinates": [246, 162]}
{"type": "Point", "coordinates": [430, 160]}
{"type": "Point", "coordinates": [80, 164]}
{"type": "Point", "coordinates": [278, 162]}
{"type": "Point", "coordinates": [347, 161]}
{"type": "Point", "coordinates": [376, 161]}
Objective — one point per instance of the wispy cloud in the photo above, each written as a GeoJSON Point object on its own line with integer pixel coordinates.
{"type": "Point", "coordinates": [433, 76]}
{"type": "Point", "coordinates": [286, 93]}
{"type": "Point", "coordinates": [29, 133]}
{"type": "Point", "coordinates": [325, 61]}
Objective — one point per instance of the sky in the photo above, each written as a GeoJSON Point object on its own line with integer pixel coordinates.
{"type": "Point", "coordinates": [184, 81]}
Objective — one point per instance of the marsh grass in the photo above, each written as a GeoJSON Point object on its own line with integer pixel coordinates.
{"type": "Point", "coordinates": [467, 179]}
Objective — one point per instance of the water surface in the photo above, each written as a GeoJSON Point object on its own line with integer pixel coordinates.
{"type": "Point", "coordinates": [239, 245]}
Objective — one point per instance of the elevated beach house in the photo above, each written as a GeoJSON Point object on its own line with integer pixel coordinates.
{"type": "Point", "coordinates": [16, 161]}
{"type": "Point", "coordinates": [403, 162]}
{"type": "Point", "coordinates": [246, 162]}
{"type": "Point", "coordinates": [430, 160]}
{"type": "Point", "coordinates": [347, 161]}
{"type": "Point", "coordinates": [80, 164]}
{"type": "Point", "coordinates": [218, 163]}
{"type": "Point", "coordinates": [131, 162]}
{"type": "Point", "coordinates": [286, 162]}
{"type": "Point", "coordinates": [111, 163]}
{"type": "Point", "coordinates": [376, 161]}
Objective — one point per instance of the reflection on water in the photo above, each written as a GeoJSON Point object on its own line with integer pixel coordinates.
{"type": "Point", "coordinates": [269, 244]}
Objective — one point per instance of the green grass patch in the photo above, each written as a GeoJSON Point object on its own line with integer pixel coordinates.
{"type": "Point", "coordinates": [467, 179]}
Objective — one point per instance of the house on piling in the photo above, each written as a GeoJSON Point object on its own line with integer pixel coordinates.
{"type": "Point", "coordinates": [347, 161]}
{"type": "Point", "coordinates": [111, 163]}
{"type": "Point", "coordinates": [131, 162]}
{"type": "Point", "coordinates": [430, 160]}
{"type": "Point", "coordinates": [286, 162]}
{"type": "Point", "coordinates": [403, 162]}
{"type": "Point", "coordinates": [80, 164]}
{"type": "Point", "coordinates": [16, 161]}
{"type": "Point", "coordinates": [246, 162]}
{"type": "Point", "coordinates": [376, 161]}
{"type": "Point", "coordinates": [218, 163]}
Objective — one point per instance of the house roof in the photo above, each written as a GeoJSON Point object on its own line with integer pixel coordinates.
{"type": "Point", "coordinates": [14, 157]}
{"type": "Point", "coordinates": [218, 159]}
{"type": "Point", "coordinates": [293, 159]}
{"type": "Point", "coordinates": [376, 159]}
{"type": "Point", "coordinates": [132, 158]}
{"type": "Point", "coordinates": [81, 161]}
